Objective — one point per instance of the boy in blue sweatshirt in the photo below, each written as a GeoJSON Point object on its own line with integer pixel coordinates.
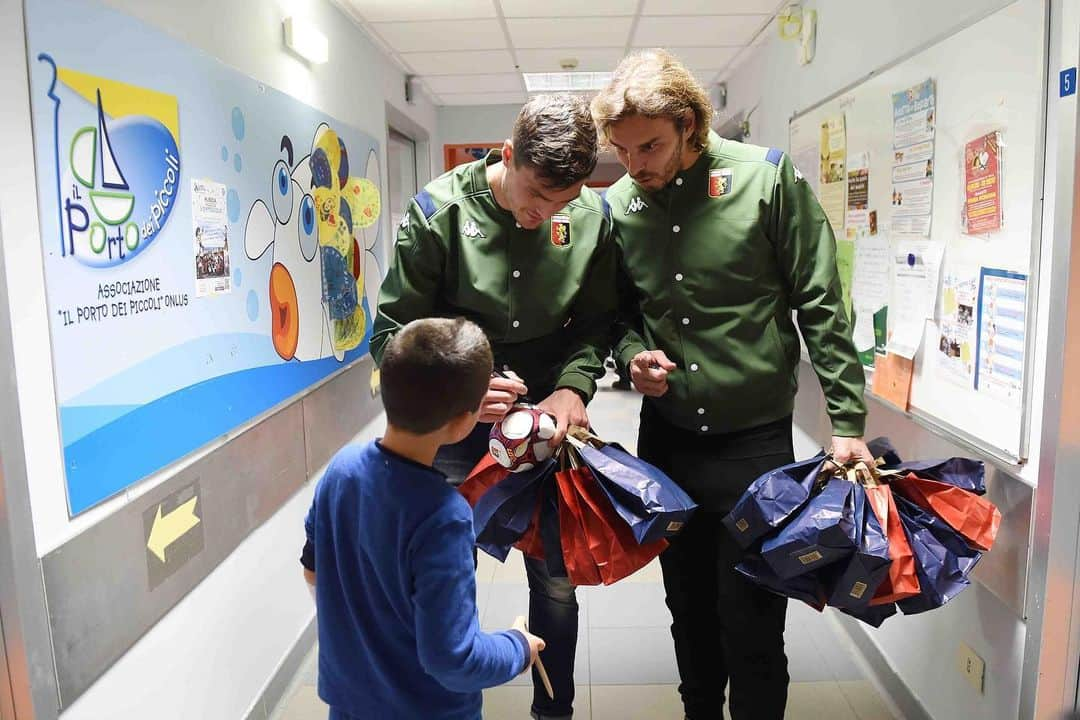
{"type": "Point", "coordinates": [390, 547]}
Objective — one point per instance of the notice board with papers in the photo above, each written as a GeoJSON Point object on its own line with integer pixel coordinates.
{"type": "Point", "coordinates": [930, 172]}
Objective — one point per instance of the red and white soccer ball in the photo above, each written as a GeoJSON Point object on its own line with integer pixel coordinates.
{"type": "Point", "coordinates": [519, 441]}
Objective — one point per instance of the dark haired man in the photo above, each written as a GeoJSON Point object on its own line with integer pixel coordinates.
{"type": "Point", "coordinates": [518, 245]}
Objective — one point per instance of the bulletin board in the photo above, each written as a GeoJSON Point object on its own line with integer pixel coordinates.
{"type": "Point", "coordinates": [210, 245]}
{"type": "Point", "coordinates": [930, 171]}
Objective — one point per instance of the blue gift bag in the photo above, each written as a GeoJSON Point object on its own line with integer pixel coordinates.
{"type": "Point", "coordinates": [771, 499]}
{"type": "Point", "coordinates": [651, 503]}
{"type": "Point", "coordinates": [822, 533]}
{"type": "Point", "coordinates": [503, 513]}
{"type": "Point", "coordinates": [869, 564]}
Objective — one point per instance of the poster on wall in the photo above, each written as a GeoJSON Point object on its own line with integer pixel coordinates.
{"type": "Point", "coordinates": [833, 176]}
{"type": "Point", "coordinates": [1002, 328]}
{"type": "Point", "coordinates": [210, 244]}
{"type": "Point", "coordinates": [982, 185]}
{"type": "Point", "coordinates": [211, 234]}
{"type": "Point", "coordinates": [914, 122]}
{"type": "Point", "coordinates": [956, 332]}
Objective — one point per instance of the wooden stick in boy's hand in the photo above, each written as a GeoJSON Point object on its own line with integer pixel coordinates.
{"type": "Point", "coordinates": [536, 644]}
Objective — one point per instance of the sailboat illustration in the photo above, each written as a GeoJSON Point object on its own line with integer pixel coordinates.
{"type": "Point", "coordinates": [91, 150]}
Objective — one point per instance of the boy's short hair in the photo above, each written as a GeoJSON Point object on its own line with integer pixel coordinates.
{"type": "Point", "coordinates": [434, 370]}
{"type": "Point", "coordinates": [556, 137]}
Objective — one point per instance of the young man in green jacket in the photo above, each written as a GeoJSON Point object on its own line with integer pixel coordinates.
{"type": "Point", "coordinates": [719, 242]}
{"type": "Point", "coordinates": [518, 245]}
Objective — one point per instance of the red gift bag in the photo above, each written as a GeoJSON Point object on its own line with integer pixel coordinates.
{"type": "Point", "coordinates": [581, 569]}
{"type": "Point", "coordinates": [902, 580]}
{"type": "Point", "coordinates": [482, 478]}
{"type": "Point", "coordinates": [974, 517]}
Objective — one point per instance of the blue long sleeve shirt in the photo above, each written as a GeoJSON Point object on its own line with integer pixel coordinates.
{"type": "Point", "coordinates": [395, 592]}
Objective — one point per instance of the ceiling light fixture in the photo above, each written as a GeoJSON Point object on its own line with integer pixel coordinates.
{"type": "Point", "coordinates": [304, 39]}
{"type": "Point", "coordinates": [566, 81]}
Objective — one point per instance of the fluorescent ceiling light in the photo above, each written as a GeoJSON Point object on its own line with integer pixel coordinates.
{"type": "Point", "coordinates": [304, 39]}
{"type": "Point", "coordinates": [565, 81]}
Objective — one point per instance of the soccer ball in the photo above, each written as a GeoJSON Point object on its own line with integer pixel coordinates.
{"type": "Point", "coordinates": [519, 441]}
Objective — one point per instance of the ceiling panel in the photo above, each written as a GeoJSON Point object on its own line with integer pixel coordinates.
{"type": "Point", "coordinates": [504, 98]}
{"type": "Point", "coordinates": [589, 59]}
{"type": "Point", "coordinates": [580, 32]}
{"type": "Point", "coordinates": [460, 63]}
{"type": "Point", "coordinates": [503, 82]}
{"type": "Point", "coordinates": [704, 57]}
{"type": "Point", "coordinates": [442, 35]}
{"type": "Point", "coordinates": [687, 31]}
{"type": "Point", "coordinates": [710, 7]}
{"type": "Point", "coordinates": [566, 8]}
{"type": "Point", "coordinates": [391, 10]}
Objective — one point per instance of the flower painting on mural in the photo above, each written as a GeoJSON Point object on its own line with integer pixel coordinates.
{"type": "Point", "coordinates": [320, 225]}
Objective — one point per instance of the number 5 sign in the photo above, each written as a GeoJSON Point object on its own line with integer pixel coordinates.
{"type": "Point", "coordinates": [1068, 82]}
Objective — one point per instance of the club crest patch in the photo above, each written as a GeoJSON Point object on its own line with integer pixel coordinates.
{"type": "Point", "coordinates": [560, 230]}
{"type": "Point", "coordinates": [721, 181]}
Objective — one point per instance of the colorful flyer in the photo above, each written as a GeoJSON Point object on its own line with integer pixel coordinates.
{"type": "Point", "coordinates": [982, 185]}
{"type": "Point", "coordinates": [914, 115]}
{"type": "Point", "coordinates": [913, 159]}
{"type": "Point", "coordinates": [211, 221]}
{"type": "Point", "coordinates": [957, 333]}
{"type": "Point", "coordinates": [1002, 328]}
{"type": "Point", "coordinates": [833, 147]}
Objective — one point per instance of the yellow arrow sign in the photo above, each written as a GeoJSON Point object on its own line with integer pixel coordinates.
{"type": "Point", "coordinates": [167, 529]}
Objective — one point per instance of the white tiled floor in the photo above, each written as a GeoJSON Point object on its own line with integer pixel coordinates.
{"type": "Point", "coordinates": [625, 662]}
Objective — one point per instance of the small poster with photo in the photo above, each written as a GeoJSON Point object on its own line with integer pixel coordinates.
{"type": "Point", "coordinates": [211, 238]}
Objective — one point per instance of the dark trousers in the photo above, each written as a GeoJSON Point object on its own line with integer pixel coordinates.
{"type": "Point", "coordinates": [553, 608]}
{"type": "Point", "coordinates": [728, 632]}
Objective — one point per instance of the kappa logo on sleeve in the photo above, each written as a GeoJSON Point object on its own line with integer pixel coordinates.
{"type": "Point", "coordinates": [471, 230]}
{"type": "Point", "coordinates": [636, 205]}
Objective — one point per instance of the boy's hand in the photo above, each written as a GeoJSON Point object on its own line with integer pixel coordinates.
{"type": "Point", "coordinates": [649, 371]}
{"type": "Point", "coordinates": [536, 644]}
{"type": "Point", "coordinates": [501, 394]}
{"type": "Point", "coordinates": [568, 409]}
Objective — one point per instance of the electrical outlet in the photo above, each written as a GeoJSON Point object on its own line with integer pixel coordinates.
{"type": "Point", "coordinates": [972, 667]}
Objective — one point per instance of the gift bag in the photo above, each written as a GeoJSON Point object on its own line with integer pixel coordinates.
{"type": "Point", "coordinates": [504, 511]}
{"type": "Point", "coordinates": [961, 472]}
{"type": "Point", "coordinates": [822, 533]}
{"type": "Point", "coordinates": [942, 558]}
{"type": "Point", "coordinates": [572, 544]}
{"type": "Point", "coordinates": [486, 475]}
{"type": "Point", "coordinates": [869, 565]}
{"type": "Point", "coordinates": [809, 587]}
{"type": "Point", "coordinates": [650, 502]}
{"type": "Point", "coordinates": [975, 518]}
{"type": "Point", "coordinates": [902, 580]}
{"type": "Point", "coordinates": [772, 499]}
{"type": "Point", "coordinates": [611, 543]}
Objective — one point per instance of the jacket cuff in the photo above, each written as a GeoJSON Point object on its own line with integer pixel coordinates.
{"type": "Point", "coordinates": [584, 385]}
{"type": "Point", "coordinates": [848, 425]}
{"type": "Point", "coordinates": [627, 353]}
{"type": "Point", "coordinates": [526, 651]}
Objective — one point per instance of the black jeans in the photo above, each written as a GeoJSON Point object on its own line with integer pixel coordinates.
{"type": "Point", "coordinates": [727, 631]}
{"type": "Point", "coordinates": [553, 608]}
